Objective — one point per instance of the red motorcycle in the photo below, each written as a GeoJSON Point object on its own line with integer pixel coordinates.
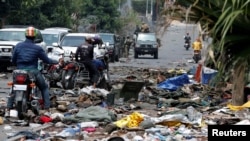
{"type": "Point", "coordinates": [54, 73]}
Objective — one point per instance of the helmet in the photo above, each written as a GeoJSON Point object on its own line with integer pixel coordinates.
{"type": "Point", "coordinates": [187, 33]}
{"type": "Point", "coordinates": [89, 39]}
{"type": "Point", "coordinates": [198, 39]}
{"type": "Point", "coordinates": [31, 32]}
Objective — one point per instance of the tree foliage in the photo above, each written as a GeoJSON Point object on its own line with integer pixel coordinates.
{"type": "Point", "coordinates": [105, 11]}
{"type": "Point", "coordinates": [63, 13]}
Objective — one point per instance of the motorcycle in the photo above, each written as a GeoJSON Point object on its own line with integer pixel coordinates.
{"type": "Point", "coordinates": [27, 94]}
{"type": "Point", "coordinates": [197, 56]}
{"type": "Point", "coordinates": [187, 45]}
{"type": "Point", "coordinates": [54, 71]}
{"type": "Point", "coordinates": [75, 74]}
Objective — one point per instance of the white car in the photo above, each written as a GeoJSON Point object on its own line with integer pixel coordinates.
{"type": "Point", "coordinates": [9, 37]}
{"type": "Point", "coordinates": [53, 36]}
{"type": "Point", "coordinates": [71, 41]}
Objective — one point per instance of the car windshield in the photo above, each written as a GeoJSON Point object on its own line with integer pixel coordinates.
{"type": "Point", "coordinates": [146, 37]}
{"type": "Point", "coordinates": [73, 41]}
{"type": "Point", "coordinates": [50, 38]}
{"type": "Point", "coordinates": [12, 36]}
{"type": "Point", "coordinates": [107, 38]}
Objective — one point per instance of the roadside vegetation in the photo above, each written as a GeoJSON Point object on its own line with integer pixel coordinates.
{"type": "Point", "coordinates": [227, 23]}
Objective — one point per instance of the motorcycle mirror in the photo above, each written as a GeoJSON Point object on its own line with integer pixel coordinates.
{"type": "Point", "coordinates": [60, 47]}
{"type": "Point", "coordinates": [56, 45]}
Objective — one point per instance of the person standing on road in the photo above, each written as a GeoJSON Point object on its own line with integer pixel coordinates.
{"type": "Point", "coordinates": [127, 44]}
{"type": "Point", "coordinates": [86, 53]}
{"type": "Point", "coordinates": [25, 57]}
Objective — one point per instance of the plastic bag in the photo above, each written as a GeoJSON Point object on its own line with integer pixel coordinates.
{"type": "Point", "coordinates": [174, 83]}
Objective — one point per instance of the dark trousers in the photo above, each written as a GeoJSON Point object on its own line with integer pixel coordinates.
{"type": "Point", "coordinates": [94, 74]}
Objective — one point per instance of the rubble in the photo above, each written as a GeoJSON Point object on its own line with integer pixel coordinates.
{"type": "Point", "coordinates": [156, 113]}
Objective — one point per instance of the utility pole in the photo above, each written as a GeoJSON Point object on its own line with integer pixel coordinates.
{"type": "Point", "coordinates": [147, 9]}
{"type": "Point", "coordinates": [119, 5]}
{"type": "Point", "coordinates": [151, 11]}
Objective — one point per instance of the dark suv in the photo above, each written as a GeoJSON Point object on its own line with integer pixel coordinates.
{"type": "Point", "coordinates": [146, 43]}
{"type": "Point", "coordinates": [114, 45]}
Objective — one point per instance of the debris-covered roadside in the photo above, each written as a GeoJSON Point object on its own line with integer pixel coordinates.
{"type": "Point", "coordinates": [144, 104]}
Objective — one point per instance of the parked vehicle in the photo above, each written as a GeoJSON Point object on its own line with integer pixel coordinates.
{"type": "Point", "coordinates": [146, 43]}
{"type": "Point", "coordinates": [50, 37]}
{"type": "Point", "coordinates": [63, 29]}
{"type": "Point", "coordinates": [70, 42]}
{"type": "Point", "coordinates": [9, 37]}
{"type": "Point", "coordinates": [114, 45]}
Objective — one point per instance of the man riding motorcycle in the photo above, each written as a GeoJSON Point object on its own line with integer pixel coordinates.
{"type": "Point", "coordinates": [86, 52]}
{"type": "Point", "coordinates": [197, 46]}
{"type": "Point", "coordinates": [25, 57]}
{"type": "Point", "coordinates": [187, 38]}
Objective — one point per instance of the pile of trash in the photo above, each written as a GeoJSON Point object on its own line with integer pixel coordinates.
{"type": "Point", "coordinates": [168, 107]}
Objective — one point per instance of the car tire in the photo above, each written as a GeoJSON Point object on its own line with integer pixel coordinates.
{"type": "Point", "coordinates": [156, 55]}
{"type": "Point", "coordinates": [116, 58]}
{"type": "Point", "coordinates": [135, 55]}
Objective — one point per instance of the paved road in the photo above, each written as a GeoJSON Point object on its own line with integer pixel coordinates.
{"type": "Point", "coordinates": [172, 51]}
{"type": "Point", "coordinates": [171, 54]}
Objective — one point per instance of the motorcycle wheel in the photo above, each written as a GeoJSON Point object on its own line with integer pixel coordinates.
{"type": "Point", "coordinates": [196, 59]}
{"type": "Point", "coordinates": [68, 84]}
{"type": "Point", "coordinates": [22, 107]}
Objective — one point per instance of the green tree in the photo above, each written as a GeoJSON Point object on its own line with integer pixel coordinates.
{"type": "Point", "coordinates": [45, 13]}
{"type": "Point", "coordinates": [105, 11]}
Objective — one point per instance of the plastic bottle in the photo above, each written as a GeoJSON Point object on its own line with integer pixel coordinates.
{"type": "Point", "coordinates": [89, 124]}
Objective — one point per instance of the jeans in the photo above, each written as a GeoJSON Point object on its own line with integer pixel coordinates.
{"type": "Point", "coordinates": [94, 74]}
{"type": "Point", "coordinates": [42, 85]}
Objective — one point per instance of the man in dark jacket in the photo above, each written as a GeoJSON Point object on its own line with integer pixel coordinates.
{"type": "Point", "coordinates": [25, 56]}
{"type": "Point", "coordinates": [86, 52]}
